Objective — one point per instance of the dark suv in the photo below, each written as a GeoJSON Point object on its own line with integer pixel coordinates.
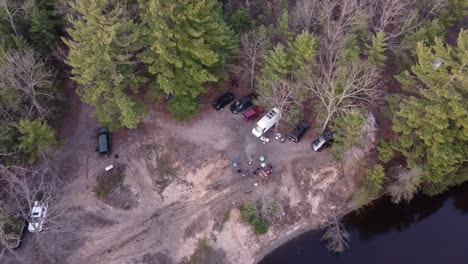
{"type": "Point", "coordinates": [298, 132]}
{"type": "Point", "coordinates": [223, 100]}
{"type": "Point", "coordinates": [242, 104]}
{"type": "Point", "coordinates": [104, 142]}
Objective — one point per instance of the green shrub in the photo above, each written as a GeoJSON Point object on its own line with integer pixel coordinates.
{"type": "Point", "coordinates": [261, 227]}
{"type": "Point", "coordinates": [183, 108]}
{"type": "Point", "coordinates": [250, 213]}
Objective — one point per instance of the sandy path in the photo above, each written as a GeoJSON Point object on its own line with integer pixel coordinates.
{"type": "Point", "coordinates": [161, 222]}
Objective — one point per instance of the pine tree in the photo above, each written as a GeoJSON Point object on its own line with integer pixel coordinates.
{"type": "Point", "coordinates": [432, 123]}
{"type": "Point", "coordinates": [454, 11]}
{"type": "Point", "coordinates": [375, 51]}
{"type": "Point", "coordinates": [302, 54]}
{"type": "Point", "coordinates": [241, 20]}
{"type": "Point", "coordinates": [277, 66]}
{"type": "Point", "coordinates": [44, 27]}
{"type": "Point", "coordinates": [103, 46]}
{"type": "Point", "coordinates": [186, 41]}
{"type": "Point", "coordinates": [36, 137]}
{"type": "Point", "coordinates": [348, 130]}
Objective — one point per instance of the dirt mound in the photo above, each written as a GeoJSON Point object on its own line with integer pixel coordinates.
{"type": "Point", "coordinates": [110, 189]}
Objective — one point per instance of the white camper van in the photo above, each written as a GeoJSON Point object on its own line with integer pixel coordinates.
{"type": "Point", "coordinates": [267, 122]}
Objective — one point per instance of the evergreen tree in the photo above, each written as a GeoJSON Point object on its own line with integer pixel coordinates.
{"type": "Point", "coordinates": [375, 51]}
{"type": "Point", "coordinates": [44, 27]}
{"type": "Point", "coordinates": [432, 122]}
{"type": "Point", "coordinates": [186, 41]}
{"type": "Point", "coordinates": [282, 28]}
{"type": "Point", "coordinates": [103, 46]}
{"type": "Point", "coordinates": [241, 20]}
{"type": "Point", "coordinates": [454, 11]}
{"type": "Point", "coordinates": [375, 179]}
{"type": "Point", "coordinates": [36, 137]}
{"type": "Point", "coordinates": [183, 108]}
{"type": "Point", "coordinates": [302, 54]}
{"type": "Point", "coordinates": [277, 66]}
{"type": "Point", "coordinates": [348, 132]}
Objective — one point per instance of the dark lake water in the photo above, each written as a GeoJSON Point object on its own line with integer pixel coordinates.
{"type": "Point", "coordinates": [429, 230]}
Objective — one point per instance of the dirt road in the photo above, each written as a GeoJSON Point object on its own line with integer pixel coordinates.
{"type": "Point", "coordinates": [191, 203]}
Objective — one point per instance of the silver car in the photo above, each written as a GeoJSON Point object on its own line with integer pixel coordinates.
{"type": "Point", "coordinates": [323, 140]}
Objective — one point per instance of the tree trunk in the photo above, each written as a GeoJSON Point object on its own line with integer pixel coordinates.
{"type": "Point", "coordinates": [325, 123]}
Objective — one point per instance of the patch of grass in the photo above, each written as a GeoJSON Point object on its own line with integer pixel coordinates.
{"type": "Point", "coordinates": [108, 182]}
{"type": "Point", "coordinates": [250, 213]}
{"type": "Point", "coordinates": [206, 254]}
{"type": "Point", "coordinates": [261, 227]}
{"type": "Point", "coordinates": [165, 172]}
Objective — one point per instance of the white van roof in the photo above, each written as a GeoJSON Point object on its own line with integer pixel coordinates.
{"type": "Point", "coordinates": [272, 114]}
{"type": "Point", "coordinates": [266, 122]}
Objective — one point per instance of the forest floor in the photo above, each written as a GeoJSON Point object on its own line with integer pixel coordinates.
{"type": "Point", "coordinates": [186, 191]}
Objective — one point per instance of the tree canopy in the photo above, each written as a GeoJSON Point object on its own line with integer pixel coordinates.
{"type": "Point", "coordinates": [432, 120]}
{"type": "Point", "coordinates": [103, 46]}
{"type": "Point", "coordinates": [185, 42]}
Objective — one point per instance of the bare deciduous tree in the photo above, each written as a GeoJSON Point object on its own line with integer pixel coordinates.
{"type": "Point", "coordinates": [398, 17]}
{"type": "Point", "coordinates": [337, 236]}
{"type": "Point", "coordinates": [22, 187]}
{"type": "Point", "coordinates": [337, 19]}
{"type": "Point", "coordinates": [405, 183]}
{"type": "Point", "coordinates": [305, 14]}
{"type": "Point", "coordinates": [340, 89]}
{"type": "Point", "coordinates": [283, 94]}
{"type": "Point", "coordinates": [269, 208]}
{"type": "Point", "coordinates": [252, 51]}
{"type": "Point", "coordinates": [30, 78]}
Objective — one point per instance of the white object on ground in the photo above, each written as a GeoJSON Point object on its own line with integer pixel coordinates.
{"type": "Point", "coordinates": [110, 167]}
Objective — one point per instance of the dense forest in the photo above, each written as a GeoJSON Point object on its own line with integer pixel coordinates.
{"type": "Point", "coordinates": [356, 64]}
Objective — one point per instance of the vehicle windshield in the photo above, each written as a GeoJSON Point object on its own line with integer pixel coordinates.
{"type": "Point", "coordinates": [317, 142]}
{"type": "Point", "coordinates": [35, 219]}
{"type": "Point", "coordinates": [258, 129]}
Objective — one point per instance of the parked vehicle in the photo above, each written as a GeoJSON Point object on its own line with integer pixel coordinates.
{"type": "Point", "coordinates": [37, 218]}
{"type": "Point", "coordinates": [298, 132]}
{"type": "Point", "coordinates": [223, 100]}
{"type": "Point", "coordinates": [251, 113]}
{"type": "Point", "coordinates": [267, 122]}
{"type": "Point", "coordinates": [322, 141]}
{"type": "Point", "coordinates": [242, 104]}
{"type": "Point", "coordinates": [104, 142]}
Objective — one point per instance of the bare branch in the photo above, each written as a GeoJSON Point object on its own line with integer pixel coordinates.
{"type": "Point", "coordinates": [342, 88]}
{"type": "Point", "coordinates": [12, 8]}
{"type": "Point", "coordinates": [22, 72]}
{"type": "Point", "coordinates": [252, 51]}
{"type": "Point", "coordinates": [305, 14]}
{"type": "Point", "coordinates": [337, 236]}
{"type": "Point", "coordinates": [283, 94]}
